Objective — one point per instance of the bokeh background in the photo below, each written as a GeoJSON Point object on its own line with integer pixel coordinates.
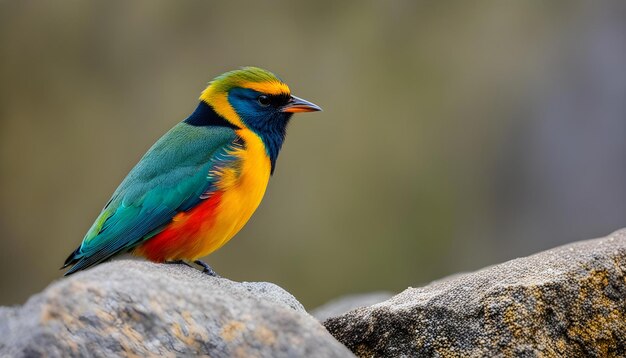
{"type": "Point", "coordinates": [455, 134]}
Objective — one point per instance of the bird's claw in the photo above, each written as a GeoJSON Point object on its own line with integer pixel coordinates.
{"type": "Point", "coordinates": [206, 269]}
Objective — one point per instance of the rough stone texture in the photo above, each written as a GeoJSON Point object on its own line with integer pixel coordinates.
{"type": "Point", "coordinates": [135, 308]}
{"type": "Point", "coordinates": [348, 303]}
{"type": "Point", "coordinates": [566, 302]}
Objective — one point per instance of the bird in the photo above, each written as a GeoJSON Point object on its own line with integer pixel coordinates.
{"type": "Point", "coordinates": [199, 184]}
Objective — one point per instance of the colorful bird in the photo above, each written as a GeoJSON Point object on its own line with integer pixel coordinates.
{"type": "Point", "coordinates": [199, 184]}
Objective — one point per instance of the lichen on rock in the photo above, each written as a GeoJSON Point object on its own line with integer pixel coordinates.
{"type": "Point", "coordinates": [137, 308]}
{"type": "Point", "coordinates": [566, 302]}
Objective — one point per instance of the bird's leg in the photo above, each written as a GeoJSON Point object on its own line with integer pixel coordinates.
{"type": "Point", "coordinates": [206, 268]}
{"type": "Point", "coordinates": [178, 262]}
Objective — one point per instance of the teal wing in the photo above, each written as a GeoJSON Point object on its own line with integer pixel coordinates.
{"type": "Point", "coordinates": [173, 176]}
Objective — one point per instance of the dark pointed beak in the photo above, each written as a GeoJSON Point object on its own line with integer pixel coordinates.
{"type": "Point", "coordinates": [297, 105]}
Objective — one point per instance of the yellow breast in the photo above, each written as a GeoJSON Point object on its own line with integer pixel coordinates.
{"type": "Point", "coordinates": [242, 191]}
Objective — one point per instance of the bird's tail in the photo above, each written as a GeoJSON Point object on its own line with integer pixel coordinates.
{"type": "Point", "coordinates": [72, 259]}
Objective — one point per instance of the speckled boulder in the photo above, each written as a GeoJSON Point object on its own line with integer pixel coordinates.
{"type": "Point", "coordinates": [135, 308]}
{"type": "Point", "coordinates": [566, 302]}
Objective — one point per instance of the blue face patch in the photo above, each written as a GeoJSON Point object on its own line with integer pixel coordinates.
{"type": "Point", "coordinates": [263, 116]}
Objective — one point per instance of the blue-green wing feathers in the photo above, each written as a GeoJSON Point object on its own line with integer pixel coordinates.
{"type": "Point", "coordinates": [172, 177]}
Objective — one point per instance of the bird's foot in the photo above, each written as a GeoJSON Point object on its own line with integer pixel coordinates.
{"type": "Point", "coordinates": [207, 269]}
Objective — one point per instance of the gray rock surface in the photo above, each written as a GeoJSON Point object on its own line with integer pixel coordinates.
{"type": "Point", "coordinates": [566, 302]}
{"type": "Point", "coordinates": [347, 303]}
{"type": "Point", "coordinates": [137, 308]}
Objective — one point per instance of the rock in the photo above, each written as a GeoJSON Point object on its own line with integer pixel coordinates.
{"type": "Point", "coordinates": [348, 303]}
{"type": "Point", "coordinates": [137, 308]}
{"type": "Point", "coordinates": [567, 302]}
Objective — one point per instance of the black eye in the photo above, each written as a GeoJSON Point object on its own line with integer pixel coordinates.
{"type": "Point", "coordinates": [264, 100]}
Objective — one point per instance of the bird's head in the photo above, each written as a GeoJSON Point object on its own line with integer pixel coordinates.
{"type": "Point", "coordinates": [255, 99]}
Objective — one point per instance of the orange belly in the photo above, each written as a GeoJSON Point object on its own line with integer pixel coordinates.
{"type": "Point", "coordinates": [183, 238]}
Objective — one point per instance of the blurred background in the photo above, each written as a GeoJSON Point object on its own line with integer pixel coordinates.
{"type": "Point", "coordinates": [454, 135]}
